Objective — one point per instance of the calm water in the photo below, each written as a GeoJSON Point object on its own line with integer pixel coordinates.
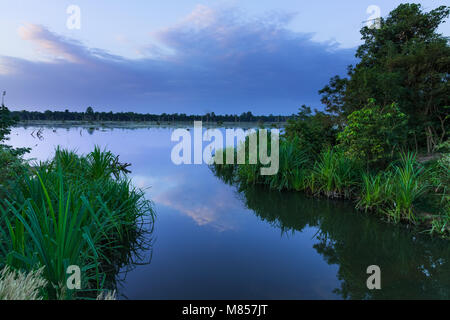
{"type": "Point", "coordinates": [213, 242]}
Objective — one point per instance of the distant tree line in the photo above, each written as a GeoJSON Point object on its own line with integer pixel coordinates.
{"type": "Point", "coordinates": [91, 115]}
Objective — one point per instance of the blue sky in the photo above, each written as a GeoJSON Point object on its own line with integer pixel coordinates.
{"type": "Point", "coordinates": [179, 56]}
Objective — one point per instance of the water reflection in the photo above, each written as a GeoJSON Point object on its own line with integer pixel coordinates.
{"type": "Point", "coordinates": [137, 252]}
{"type": "Point", "coordinates": [412, 266]}
{"type": "Point", "coordinates": [207, 204]}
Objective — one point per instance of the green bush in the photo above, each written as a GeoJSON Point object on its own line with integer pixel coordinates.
{"type": "Point", "coordinates": [12, 166]}
{"type": "Point", "coordinates": [374, 134]}
{"type": "Point", "coordinates": [313, 132]}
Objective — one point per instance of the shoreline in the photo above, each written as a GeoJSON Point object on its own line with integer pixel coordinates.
{"type": "Point", "coordinates": [143, 124]}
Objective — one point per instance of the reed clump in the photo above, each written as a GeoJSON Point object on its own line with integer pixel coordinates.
{"type": "Point", "coordinates": [72, 210]}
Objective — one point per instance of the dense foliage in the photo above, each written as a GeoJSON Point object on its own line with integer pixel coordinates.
{"type": "Point", "coordinates": [405, 62]}
{"type": "Point", "coordinates": [315, 132]}
{"type": "Point", "coordinates": [374, 133]}
{"type": "Point", "coordinates": [6, 121]}
{"type": "Point", "coordinates": [383, 138]}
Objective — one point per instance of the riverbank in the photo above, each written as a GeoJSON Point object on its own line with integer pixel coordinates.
{"type": "Point", "coordinates": [143, 124]}
{"type": "Point", "coordinates": [406, 191]}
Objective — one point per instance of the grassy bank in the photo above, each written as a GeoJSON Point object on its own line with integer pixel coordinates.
{"type": "Point", "coordinates": [405, 190]}
{"type": "Point", "coordinates": [70, 210]}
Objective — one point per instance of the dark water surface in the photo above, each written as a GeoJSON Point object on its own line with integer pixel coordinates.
{"type": "Point", "coordinates": [213, 242]}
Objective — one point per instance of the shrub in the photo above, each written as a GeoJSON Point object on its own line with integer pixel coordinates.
{"type": "Point", "coordinates": [313, 132]}
{"type": "Point", "coordinates": [12, 166]}
{"type": "Point", "coordinates": [373, 134]}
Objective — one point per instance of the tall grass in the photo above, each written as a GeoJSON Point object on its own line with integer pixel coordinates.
{"type": "Point", "coordinates": [439, 179]}
{"type": "Point", "coordinates": [334, 175]}
{"type": "Point", "coordinates": [104, 164]}
{"type": "Point", "coordinates": [395, 192]}
{"type": "Point", "coordinates": [72, 210]}
{"type": "Point", "coordinates": [226, 172]}
{"type": "Point", "coordinates": [294, 166]}
{"type": "Point", "coordinates": [372, 193]}
{"type": "Point", "coordinates": [55, 234]}
{"type": "Point", "coordinates": [405, 186]}
{"type": "Point", "coordinates": [17, 285]}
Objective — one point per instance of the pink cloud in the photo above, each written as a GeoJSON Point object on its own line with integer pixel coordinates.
{"type": "Point", "coordinates": [51, 44]}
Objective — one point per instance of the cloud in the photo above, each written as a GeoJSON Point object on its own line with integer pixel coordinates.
{"type": "Point", "coordinates": [52, 44]}
{"type": "Point", "coordinates": [215, 207]}
{"type": "Point", "coordinates": [214, 59]}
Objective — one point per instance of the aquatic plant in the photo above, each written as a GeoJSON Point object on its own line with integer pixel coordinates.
{"type": "Point", "coordinates": [334, 175]}
{"type": "Point", "coordinates": [401, 191]}
{"type": "Point", "coordinates": [372, 192]}
{"type": "Point", "coordinates": [293, 167]}
{"type": "Point", "coordinates": [404, 187]}
{"type": "Point", "coordinates": [104, 163]}
{"type": "Point", "coordinates": [63, 215]}
{"type": "Point", "coordinates": [220, 168]}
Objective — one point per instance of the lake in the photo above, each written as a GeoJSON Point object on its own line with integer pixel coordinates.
{"type": "Point", "coordinates": [212, 241]}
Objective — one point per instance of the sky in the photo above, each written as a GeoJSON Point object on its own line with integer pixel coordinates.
{"type": "Point", "coordinates": [179, 56]}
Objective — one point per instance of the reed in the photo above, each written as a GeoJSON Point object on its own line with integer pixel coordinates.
{"type": "Point", "coordinates": [372, 192]}
{"type": "Point", "coordinates": [335, 175]}
{"type": "Point", "coordinates": [406, 186]}
{"type": "Point", "coordinates": [17, 285]}
{"type": "Point", "coordinates": [72, 210]}
{"type": "Point", "coordinates": [294, 166]}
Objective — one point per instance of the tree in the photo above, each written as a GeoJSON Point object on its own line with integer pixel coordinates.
{"type": "Point", "coordinates": [374, 133]}
{"type": "Point", "coordinates": [404, 61]}
{"type": "Point", "coordinates": [333, 97]}
{"type": "Point", "coordinates": [89, 114]}
{"type": "Point", "coordinates": [6, 121]}
{"type": "Point", "coordinates": [315, 132]}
